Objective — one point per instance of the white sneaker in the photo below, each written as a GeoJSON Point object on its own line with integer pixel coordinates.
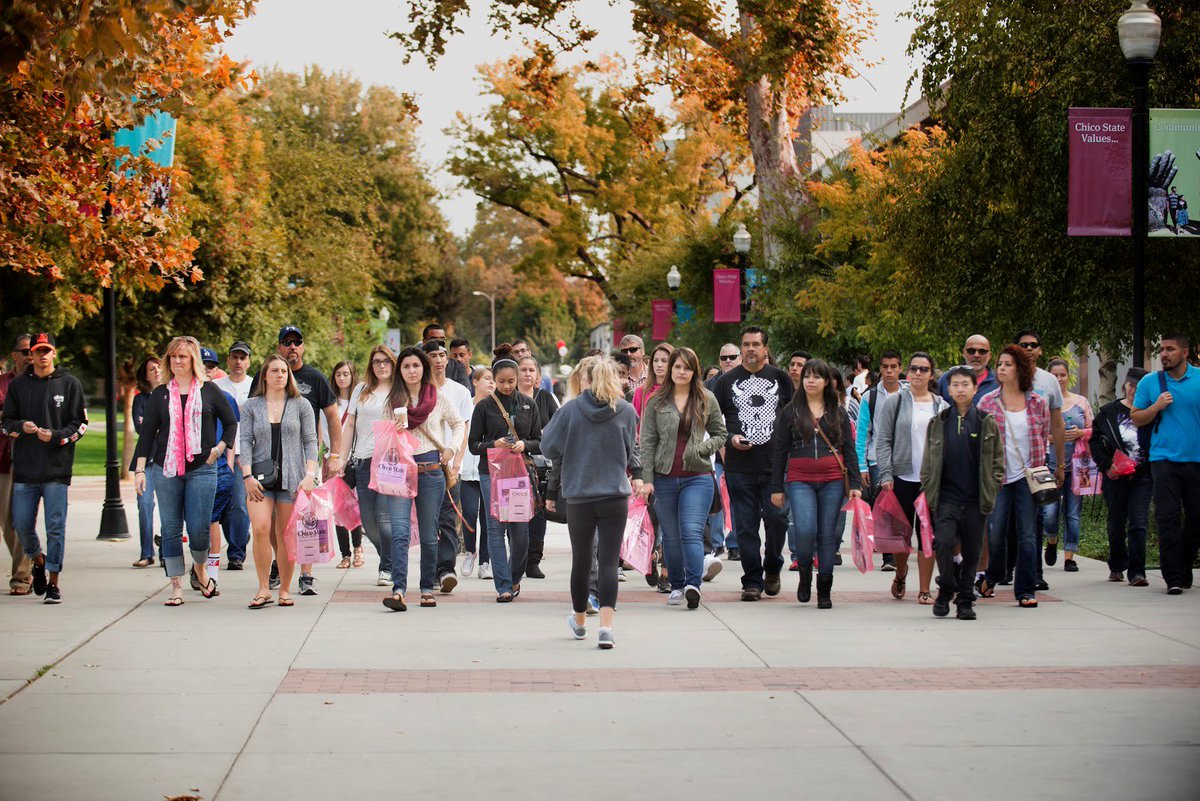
{"type": "Point", "coordinates": [485, 570]}
{"type": "Point", "coordinates": [620, 574]}
{"type": "Point", "coordinates": [384, 580]}
{"type": "Point", "coordinates": [692, 594]}
{"type": "Point", "coordinates": [712, 566]}
{"type": "Point", "coordinates": [675, 598]}
{"type": "Point", "coordinates": [468, 565]}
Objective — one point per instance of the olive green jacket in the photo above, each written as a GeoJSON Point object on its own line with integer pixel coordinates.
{"type": "Point", "coordinates": [660, 427]}
{"type": "Point", "coordinates": [991, 459]}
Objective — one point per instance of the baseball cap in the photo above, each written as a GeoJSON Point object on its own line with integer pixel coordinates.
{"type": "Point", "coordinates": [241, 347]}
{"type": "Point", "coordinates": [1135, 375]}
{"type": "Point", "coordinates": [290, 329]}
{"type": "Point", "coordinates": [208, 356]}
{"type": "Point", "coordinates": [41, 340]}
{"type": "Point", "coordinates": [434, 346]}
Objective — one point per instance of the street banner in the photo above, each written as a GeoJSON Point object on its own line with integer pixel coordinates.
{"type": "Point", "coordinates": [1100, 182]}
{"type": "Point", "coordinates": [684, 312]}
{"type": "Point", "coordinates": [1174, 171]}
{"type": "Point", "coordinates": [661, 312]}
{"type": "Point", "coordinates": [618, 331]}
{"type": "Point", "coordinates": [154, 139]}
{"type": "Point", "coordinates": [727, 296]}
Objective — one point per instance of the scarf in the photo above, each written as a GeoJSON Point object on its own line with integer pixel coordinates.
{"type": "Point", "coordinates": [183, 436]}
{"type": "Point", "coordinates": [417, 415]}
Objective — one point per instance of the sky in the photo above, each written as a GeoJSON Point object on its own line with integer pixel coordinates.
{"type": "Point", "coordinates": [292, 34]}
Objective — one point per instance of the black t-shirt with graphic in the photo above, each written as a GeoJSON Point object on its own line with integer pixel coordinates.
{"type": "Point", "coordinates": [750, 403]}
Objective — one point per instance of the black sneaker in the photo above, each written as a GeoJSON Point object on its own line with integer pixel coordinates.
{"type": "Point", "coordinates": [39, 579]}
{"type": "Point", "coordinates": [1051, 552]}
{"type": "Point", "coordinates": [306, 585]}
{"type": "Point", "coordinates": [1070, 566]}
{"type": "Point", "coordinates": [664, 584]}
{"type": "Point", "coordinates": [941, 604]}
{"type": "Point", "coordinates": [837, 557]}
{"type": "Point", "coordinates": [1042, 586]}
{"type": "Point", "coordinates": [966, 611]}
{"type": "Point", "coordinates": [234, 564]}
{"type": "Point", "coordinates": [1174, 590]}
{"type": "Point", "coordinates": [53, 596]}
{"type": "Point", "coordinates": [889, 564]}
{"type": "Point", "coordinates": [273, 581]}
{"type": "Point", "coordinates": [719, 551]}
{"type": "Point", "coordinates": [735, 555]}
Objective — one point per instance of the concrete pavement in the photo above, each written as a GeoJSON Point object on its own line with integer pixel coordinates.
{"type": "Point", "coordinates": [1094, 695]}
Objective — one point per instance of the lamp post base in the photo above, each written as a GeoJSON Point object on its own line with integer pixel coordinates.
{"type": "Point", "coordinates": [114, 525]}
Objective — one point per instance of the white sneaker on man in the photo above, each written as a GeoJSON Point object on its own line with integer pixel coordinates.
{"type": "Point", "coordinates": [485, 570]}
{"type": "Point", "coordinates": [468, 565]}
{"type": "Point", "coordinates": [712, 566]}
{"type": "Point", "coordinates": [384, 580]}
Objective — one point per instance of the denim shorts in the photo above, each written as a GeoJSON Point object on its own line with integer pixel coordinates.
{"type": "Point", "coordinates": [279, 496]}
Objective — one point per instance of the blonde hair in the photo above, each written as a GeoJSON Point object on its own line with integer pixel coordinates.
{"type": "Point", "coordinates": [575, 379]}
{"type": "Point", "coordinates": [291, 390]}
{"type": "Point", "coordinates": [192, 347]}
{"type": "Point", "coordinates": [606, 384]}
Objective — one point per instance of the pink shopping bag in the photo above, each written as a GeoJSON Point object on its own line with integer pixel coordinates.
{"type": "Point", "coordinates": [862, 542]}
{"type": "Point", "coordinates": [725, 505]}
{"type": "Point", "coordinates": [890, 526]}
{"type": "Point", "coordinates": [512, 498]}
{"type": "Point", "coordinates": [393, 471]}
{"type": "Point", "coordinates": [1085, 474]}
{"type": "Point", "coordinates": [341, 497]}
{"type": "Point", "coordinates": [309, 536]}
{"type": "Point", "coordinates": [637, 546]}
{"type": "Point", "coordinates": [922, 526]}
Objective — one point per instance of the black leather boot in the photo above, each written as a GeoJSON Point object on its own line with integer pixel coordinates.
{"type": "Point", "coordinates": [824, 586]}
{"type": "Point", "coordinates": [804, 590]}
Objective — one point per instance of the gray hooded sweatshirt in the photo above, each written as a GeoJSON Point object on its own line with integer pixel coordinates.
{"type": "Point", "coordinates": [594, 449]}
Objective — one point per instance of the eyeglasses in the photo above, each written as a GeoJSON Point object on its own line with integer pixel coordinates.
{"type": "Point", "coordinates": [732, 358]}
{"type": "Point", "coordinates": [919, 368]}
{"type": "Point", "coordinates": [1030, 345]}
{"type": "Point", "coordinates": [380, 362]}
{"type": "Point", "coordinates": [292, 343]}
{"type": "Point", "coordinates": [632, 350]}
{"type": "Point", "coordinates": [977, 351]}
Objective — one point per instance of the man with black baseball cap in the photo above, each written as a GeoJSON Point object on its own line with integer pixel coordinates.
{"type": "Point", "coordinates": [236, 523]}
{"type": "Point", "coordinates": [44, 415]}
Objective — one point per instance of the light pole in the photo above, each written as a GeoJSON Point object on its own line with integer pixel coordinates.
{"type": "Point", "coordinates": [741, 245]}
{"type": "Point", "coordinates": [674, 279]}
{"type": "Point", "coordinates": [113, 523]}
{"type": "Point", "coordinates": [1139, 30]}
{"type": "Point", "coordinates": [491, 298]}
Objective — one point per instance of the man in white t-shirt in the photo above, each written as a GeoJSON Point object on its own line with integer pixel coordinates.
{"type": "Point", "coordinates": [460, 399]}
{"type": "Point", "coordinates": [236, 522]}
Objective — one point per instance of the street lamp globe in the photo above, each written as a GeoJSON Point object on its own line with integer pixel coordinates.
{"type": "Point", "coordinates": [1139, 29]}
{"type": "Point", "coordinates": [674, 279]}
{"type": "Point", "coordinates": [384, 315]}
{"type": "Point", "coordinates": [742, 239]}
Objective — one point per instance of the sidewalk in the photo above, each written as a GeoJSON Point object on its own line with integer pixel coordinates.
{"type": "Point", "coordinates": [1093, 695]}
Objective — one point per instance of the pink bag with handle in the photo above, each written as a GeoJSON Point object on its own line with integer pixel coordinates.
{"type": "Point", "coordinates": [923, 527]}
{"type": "Point", "coordinates": [1085, 473]}
{"type": "Point", "coordinates": [890, 525]}
{"type": "Point", "coordinates": [309, 537]}
{"type": "Point", "coordinates": [343, 500]}
{"type": "Point", "coordinates": [637, 546]}
{"type": "Point", "coordinates": [512, 499]}
{"type": "Point", "coordinates": [393, 470]}
{"type": "Point", "coordinates": [862, 542]}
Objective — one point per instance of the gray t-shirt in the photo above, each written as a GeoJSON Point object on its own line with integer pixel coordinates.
{"type": "Point", "coordinates": [1046, 385]}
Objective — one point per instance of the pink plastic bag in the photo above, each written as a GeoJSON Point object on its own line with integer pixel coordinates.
{"type": "Point", "coordinates": [512, 498]}
{"type": "Point", "coordinates": [862, 541]}
{"type": "Point", "coordinates": [341, 497]}
{"type": "Point", "coordinates": [726, 506]}
{"type": "Point", "coordinates": [637, 546]}
{"type": "Point", "coordinates": [890, 525]}
{"type": "Point", "coordinates": [923, 526]}
{"type": "Point", "coordinates": [1085, 474]}
{"type": "Point", "coordinates": [393, 471]}
{"type": "Point", "coordinates": [309, 534]}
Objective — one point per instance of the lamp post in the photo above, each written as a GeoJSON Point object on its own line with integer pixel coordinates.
{"type": "Point", "coordinates": [741, 245]}
{"type": "Point", "coordinates": [113, 523]}
{"type": "Point", "coordinates": [491, 298]}
{"type": "Point", "coordinates": [1139, 30]}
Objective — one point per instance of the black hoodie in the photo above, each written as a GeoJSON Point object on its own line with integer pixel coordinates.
{"type": "Point", "coordinates": [55, 402]}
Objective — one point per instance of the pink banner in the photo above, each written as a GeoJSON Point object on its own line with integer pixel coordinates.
{"type": "Point", "coordinates": [662, 311]}
{"type": "Point", "coordinates": [1101, 172]}
{"type": "Point", "coordinates": [727, 296]}
{"type": "Point", "coordinates": [618, 329]}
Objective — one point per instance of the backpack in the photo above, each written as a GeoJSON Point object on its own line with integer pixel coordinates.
{"type": "Point", "coordinates": [1162, 387]}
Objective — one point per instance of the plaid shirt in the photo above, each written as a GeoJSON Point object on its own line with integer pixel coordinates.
{"type": "Point", "coordinates": [1037, 410]}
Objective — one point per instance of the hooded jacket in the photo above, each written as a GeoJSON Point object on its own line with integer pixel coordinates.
{"type": "Point", "coordinates": [55, 402]}
{"type": "Point", "coordinates": [488, 425]}
{"type": "Point", "coordinates": [1106, 438]}
{"type": "Point", "coordinates": [594, 449]}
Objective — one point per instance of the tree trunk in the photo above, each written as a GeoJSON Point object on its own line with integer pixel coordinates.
{"type": "Point", "coordinates": [1107, 391]}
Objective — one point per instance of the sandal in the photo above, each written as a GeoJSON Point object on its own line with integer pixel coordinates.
{"type": "Point", "coordinates": [427, 599]}
{"type": "Point", "coordinates": [898, 585]}
{"type": "Point", "coordinates": [147, 562]}
{"type": "Point", "coordinates": [174, 600]}
{"type": "Point", "coordinates": [395, 602]}
{"type": "Point", "coordinates": [358, 557]}
{"type": "Point", "coordinates": [286, 602]}
{"type": "Point", "coordinates": [19, 590]}
{"type": "Point", "coordinates": [1027, 603]}
{"type": "Point", "coordinates": [345, 563]}
{"type": "Point", "coordinates": [504, 598]}
{"type": "Point", "coordinates": [208, 590]}
{"type": "Point", "coordinates": [924, 598]}
{"type": "Point", "coordinates": [986, 590]}
{"type": "Point", "coordinates": [261, 601]}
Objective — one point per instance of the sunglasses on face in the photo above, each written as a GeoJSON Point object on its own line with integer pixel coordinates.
{"type": "Point", "coordinates": [1030, 345]}
{"type": "Point", "coordinates": [732, 358]}
{"type": "Point", "coordinates": [919, 368]}
{"type": "Point", "coordinates": [628, 351]}
{"type": "Point", "coordinates": [978, 351]}
{"type": "Point", "coordinates": [22, 351]}
{"type": "Point", "coordinates": [292, 343]}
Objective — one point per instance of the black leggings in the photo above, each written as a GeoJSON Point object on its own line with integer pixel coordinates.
{"type": "Point", "coordinates": [584, 520]}
{"type": "Point", "coordinates": [343, 537]}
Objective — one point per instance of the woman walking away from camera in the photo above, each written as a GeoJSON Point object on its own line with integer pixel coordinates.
{"type": "Point", "coordinates": [148, 376]}
{"type": "Point", "coordinates": [814, 458]}
{"type": "Point", "coordinates": [179, 443]}
{"type": "Point", "coordinates": [595, 438]}
{"type": "Point", "coordinates": [682, 427]}
{"type": "Point", "coordinates": [344, 379]}
{"type": "Point", "coordinates": [279, 459]}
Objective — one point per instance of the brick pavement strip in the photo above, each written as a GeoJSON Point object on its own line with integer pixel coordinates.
{"type": "Point", "coordinates": [642, 596]}
{"type": "Point", "coordinates": [643, 680]}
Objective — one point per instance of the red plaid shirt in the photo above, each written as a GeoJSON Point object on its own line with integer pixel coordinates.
{"type": "Point", "coordinates": [1037, 410]}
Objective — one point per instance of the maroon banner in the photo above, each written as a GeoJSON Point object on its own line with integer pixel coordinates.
{"type": "Point", "coordinates": [662, 311]}
{"type": "Point", "coordinates": [1101, 172]}
{"type": "Point", "coordinates": [727, 296]}
{"type": "Point", "coordinates": [618, 329]}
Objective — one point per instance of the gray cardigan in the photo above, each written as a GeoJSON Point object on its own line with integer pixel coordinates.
{"type": "Point", "coordinates": [298, 433]}
{"type": "Point", "coordinates": [893, 433]}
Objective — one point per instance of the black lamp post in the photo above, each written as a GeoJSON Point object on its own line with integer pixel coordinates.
{"type": "Point", "coordinates": [741, 245]}
{"type": "Point", "coordinates": [674, 279]}
{"type": "Point", "coordinates": [113, 523]}
{"type": "Point", "coordinates": [1139, 30]}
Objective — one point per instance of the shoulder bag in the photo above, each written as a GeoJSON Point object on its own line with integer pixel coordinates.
{"type": "Point", "coordinates": [841, 462]}
{"type": "Point", "coordinates": [267, 471]}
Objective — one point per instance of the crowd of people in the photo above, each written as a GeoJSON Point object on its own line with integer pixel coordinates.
{"type": "Point", "coordinates": [733, 464]}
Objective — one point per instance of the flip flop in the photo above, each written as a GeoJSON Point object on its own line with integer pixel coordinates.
{"type": "Point", "coordinates": [261, 602]}
{"type": "Point", "coordinates": [427, 600]}
{"type": "Point", "coordinates": [173, 601]}
{"type": "Point", "coordinates": [395, 602]}
{"type": "Point", "coordinates": [18, 591]}
{"type": "Point", "coordinates": [286, 602]}
{"type": "Point", "coordinates": [1027, 603]}
{"type": "Point", "coordinates": [924, 598]}
{"type": "Point", "coordinates": [504, 598]}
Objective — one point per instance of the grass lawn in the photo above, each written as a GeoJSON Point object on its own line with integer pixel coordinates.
{"type": "Point", "coordinates": [1093, 532]}
{"type": "Point", "coordinates": [90, 453]}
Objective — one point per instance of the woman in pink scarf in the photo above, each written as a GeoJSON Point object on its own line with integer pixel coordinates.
{"type": "Point", "coordinates": [179, 439]}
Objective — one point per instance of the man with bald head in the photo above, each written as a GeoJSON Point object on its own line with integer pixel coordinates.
{"type": "Point", "coordinates": [977, 354]}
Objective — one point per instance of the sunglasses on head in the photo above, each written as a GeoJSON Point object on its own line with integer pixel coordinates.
{"type": "Point", "coordinates": [978, 351]}
{"type": "Point", "coordinates": [1030, 345]}
{"type": "Point", "coordinates": [731, 358]}
{"type": "Point", "coordinates": [633, 349]}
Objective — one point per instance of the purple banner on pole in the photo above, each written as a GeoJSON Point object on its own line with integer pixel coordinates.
{"type": "Point", "coordinates": [727, 296]}
{"type": "Point", "coordinates": [1101, 172]}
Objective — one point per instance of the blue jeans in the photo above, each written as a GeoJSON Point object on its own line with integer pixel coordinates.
{"type": "Point", "coordinates": [145, 506]}
{"type": "Point", "coordinates": [720, 537]}
{"type": "Point", "coordinates": [507, 569]}
{"type": "Point", "coordinates": [1014, 502]}
{"type": "Point", "coordinates": [682, 505]}
{"type": "Point", "coordinates": [750, 497]}
{"type": "Point", "coordinates": [447, 539]}
{"type": "Point", "coordinates": [1068, 505]}
{"type": "Point", "coordinates": [376, 519]}
{"type": "Point", "coordinates": [236, 524]}
{"type": "Point", "coordinates": [431, 487]}
{"type": "Point", "coordinates": [815, 508]}
{"type": "Point", "coordinates": [476, 517]}
{"type": "Point", "coordinates": [54, 514]}
{"type": "Point", "coordinates": [184, 499]}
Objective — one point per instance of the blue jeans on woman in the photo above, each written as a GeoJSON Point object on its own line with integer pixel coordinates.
{"type": "Point", "coordinates": [507, 568]}
{"type": "Point", "coordinates": [431, 487]}
{"type": "Point", "coordinates": [815, 507]}
{"type": "Point", "coordinates": [682, 505]}
{"type": "Point", "coordinates": [1068, 506]}
{"type": "Point", "coordinates": [145, 506]}
{"type": "Point", "coordinates": [376, 520]}
{"type": "Point", "coordinates": [185, 499]}
{"type": "Point", "coordinates": [1014, 502]}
